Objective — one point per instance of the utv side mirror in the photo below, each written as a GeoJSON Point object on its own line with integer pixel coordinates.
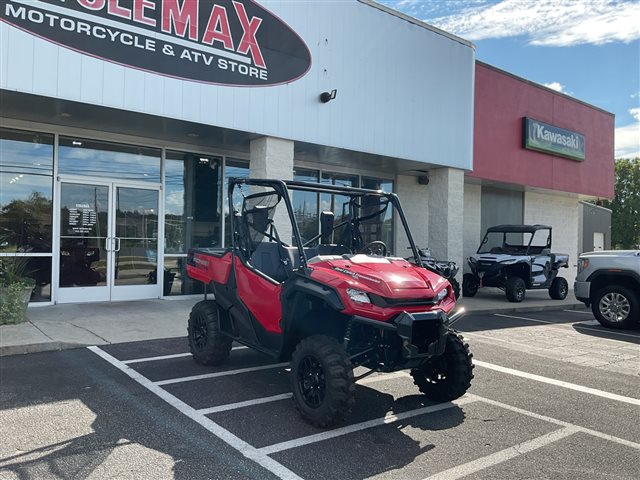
{"type": "Point", "coordinates": [326, 227]}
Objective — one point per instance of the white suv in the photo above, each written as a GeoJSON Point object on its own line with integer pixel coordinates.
{"type": "Point", "coordinates": [609, 281]}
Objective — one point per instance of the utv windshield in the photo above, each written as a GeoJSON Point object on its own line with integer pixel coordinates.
{"type": "Point", "coordinates": [515, 243]}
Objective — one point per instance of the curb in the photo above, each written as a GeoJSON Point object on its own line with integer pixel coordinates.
{"type": "Point", "coordinates": [7, 350]}
{"type": "Point", "coordinates": [524, 309]}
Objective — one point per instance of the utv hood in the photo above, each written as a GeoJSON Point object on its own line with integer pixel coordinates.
{"type": "Point", "coordinates": [386, 276]}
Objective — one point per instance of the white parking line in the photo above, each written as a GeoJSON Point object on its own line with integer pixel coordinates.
{"type": "Point", "coordinates": [246, 403]}
{"type": "Point", "coordinates": [559, 383]}
{"type": "Point", "coordinates": [559, 326]}
{"type": "Point", "coordinates": [284, 396]}
{"type": "Point", "coordinates": [503, 455]}
{"type": "Point", "coordinates": [338, 432]}
{"type": "Point", "coordinates": [243, 447]}
{"type": "Point", "coordinates": [588, 431]}
{"type": "Point", "coordinates": [220, 374]}
{"type": "Point", "coordinates": [168, 357]}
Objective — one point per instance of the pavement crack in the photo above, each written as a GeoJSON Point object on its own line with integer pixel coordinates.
{"type": "Point", "coordinates": [92, 333]}
{"type": "Point", "coordinates": [41, 331]}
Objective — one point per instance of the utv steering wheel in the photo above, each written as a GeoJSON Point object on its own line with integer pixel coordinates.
{"type": "Point", "coordinates": [374, 248]}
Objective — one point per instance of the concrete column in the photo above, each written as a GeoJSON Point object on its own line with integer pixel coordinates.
{"type": "Point", "coordinates": [446, 213]}
{"type": "Point", "coordinates": [414, 199]}
{"type": "Point", "coordinates": [272, 158]}
{"type": "Point", "coordinates": [472, 222]}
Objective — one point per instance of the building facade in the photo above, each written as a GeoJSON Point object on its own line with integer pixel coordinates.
{"type": "Point", "coordinates": [121, 123]}
{"type": "Point", "coordinates": [537, 154]}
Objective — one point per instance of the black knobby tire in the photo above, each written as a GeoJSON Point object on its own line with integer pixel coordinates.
{"type": "Point", "coordinates": [455, 286]}
{"type": "Point", "coordinates": [615, 306]}
{"type": "Point", "coordinates": [559, 288]}
{"type": "Point", "coordinates": [322, 380]}
{"type": "Point", "coordinates": [469, 285]}
{"type": "Point", "coordinates": [448, 376]}
{"type": "Point", "coordinates": [515, 289]}
{"type": "Point", "coordinates": [207, 344]}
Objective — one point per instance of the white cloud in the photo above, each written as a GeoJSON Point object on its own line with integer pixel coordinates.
{"type": "Point", "coordinates": [635, 113]}
{"type": "Point", "coordinates": [627, 141]}
{"type": "Point", "coordinates": [547, 22]}
{"type": "Point", "coordinates": [557, 86]}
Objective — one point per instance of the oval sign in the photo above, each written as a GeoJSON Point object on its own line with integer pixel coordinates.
{"type": "Point", "coordinates": [223, 42]}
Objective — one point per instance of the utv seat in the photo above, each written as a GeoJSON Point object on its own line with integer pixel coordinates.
{"type": "Point", "coordinates": [274, 260]}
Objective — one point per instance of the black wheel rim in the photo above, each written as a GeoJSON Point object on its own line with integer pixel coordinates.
{"type": "Point", "coordinates": [436, 370]}
{"type": "Point", "coordinates": [199, 334]}
{"type": "Point", "coordinates": [311, 381]}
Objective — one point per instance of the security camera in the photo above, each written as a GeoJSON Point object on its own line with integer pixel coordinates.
{"type": "Point", "coordinates": [423, 179]}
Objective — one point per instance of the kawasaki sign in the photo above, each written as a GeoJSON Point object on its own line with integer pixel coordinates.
{"type": "Point", "coordinates": [546, 138]}
{"type": "Point", "coordinates": [224, 42]}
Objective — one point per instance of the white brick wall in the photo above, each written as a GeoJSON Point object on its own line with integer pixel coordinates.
{"type": "Point", "coordinates": [561, 213]}
{"type": "Point", "coordinates": [414, 199]}
{"type": "Point", "coordinates": [472, 230]}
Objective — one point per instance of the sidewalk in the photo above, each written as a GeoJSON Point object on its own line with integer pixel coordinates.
{"type": "Point", "coordinates": [59, 327]}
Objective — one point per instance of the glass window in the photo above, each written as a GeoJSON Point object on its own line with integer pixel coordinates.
{"type": "Point", "coordinates": [78, 156]}
{"type": "Point", "coordinates": [176, 280]}
{"type": "Point", "coordinates": [26, 207]}
{"type": "Point", "coordinates": [26, 186]}
{"type": "Point", "coordinates": [26, 152]}
{"type": "Point", "coordinates": [384, 224]}
{"type": "Point", "coordinates": [192, 201]}
{"type": "Point", "coordinates": [338, 204]}
{"type": "Point", "coordinates": [305, 205]}
{"type": "Point", "coordinates": [238, 169]}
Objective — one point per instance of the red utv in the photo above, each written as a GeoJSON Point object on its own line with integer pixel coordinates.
{"type": "Point", "coordinates": [332, 302]}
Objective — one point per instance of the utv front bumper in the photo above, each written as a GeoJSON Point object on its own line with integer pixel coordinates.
{"type": "Point", "coordinates": [422, 335]}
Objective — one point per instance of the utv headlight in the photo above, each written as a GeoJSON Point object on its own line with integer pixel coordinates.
{"type": "Point", "coordinates": [442, 294]}
{"type": "Point", "coordinates": [358, 295]}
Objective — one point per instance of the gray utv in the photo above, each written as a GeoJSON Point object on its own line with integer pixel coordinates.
{"type": "Point", "coordinates": [515, 258]}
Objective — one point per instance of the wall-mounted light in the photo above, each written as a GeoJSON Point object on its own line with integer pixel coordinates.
{"type": "Point", "coordinates": [328, 96]}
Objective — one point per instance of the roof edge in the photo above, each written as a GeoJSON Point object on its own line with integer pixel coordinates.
{"type": "Point", "coordinates": [417, 22]}
{"type": "Point", "coordinates": [538, 85]}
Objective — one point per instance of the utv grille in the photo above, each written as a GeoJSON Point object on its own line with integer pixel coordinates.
{"type": "Point", "coordinates": [379, 301]}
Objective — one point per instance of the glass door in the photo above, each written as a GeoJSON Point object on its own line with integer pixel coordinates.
{"type": "Point", "coordinates": [108, 242]}
{"type": "Point", "coordinates": [135, 248]}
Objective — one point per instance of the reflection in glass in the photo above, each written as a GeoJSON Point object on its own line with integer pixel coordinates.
{"type": "Point", "coordinates": [380, 228]}
{"type": "Point", "coordinates": [176, 280]}
{"type": "Point", "coordinates": [26, 152]}
{"type": "Point", "coordinates": [237, 169]}
{"type": "Point", "coordinates": [83, 235]}
{"type": "Point", "coordinates": [103, 159]}
{"type": "Point", "coordinates": [136, 242]}
{"type": "Point", "coordinates": [338, 204]}
{"type": "Point", "coordinates": [26, 185]}
{"type": "Point", "coordinates": [305, 205]}
{"type": "Point", "coordinates": [25, 213]}
{"type": "Point", "coordinates": [192, 201]}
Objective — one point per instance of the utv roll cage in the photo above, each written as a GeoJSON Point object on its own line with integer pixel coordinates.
{"type": "Point", "coordinates": [282, 188]}
{"type": "Point", "coordinates": [516, 249]}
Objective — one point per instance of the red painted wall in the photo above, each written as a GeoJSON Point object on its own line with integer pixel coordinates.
{"type": "Point", "coordinates": [501, 101]}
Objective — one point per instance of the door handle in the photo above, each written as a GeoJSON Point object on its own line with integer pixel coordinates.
{"type": "Point", "coordinates": [118, 247]}
{"type": "Point", "coordinates": [107, 244]}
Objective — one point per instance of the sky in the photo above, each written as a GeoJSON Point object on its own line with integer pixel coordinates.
{"type": "Point", "coordinates": [588, 49]}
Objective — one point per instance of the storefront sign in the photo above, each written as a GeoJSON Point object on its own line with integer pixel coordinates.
{"type": "Point", "coordinates": [546, 138]}
{"type": "Point", "coordinates": [224, 42]}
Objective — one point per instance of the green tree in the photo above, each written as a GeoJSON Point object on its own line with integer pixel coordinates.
{"type": "Point", "coordinates": [625, 207]}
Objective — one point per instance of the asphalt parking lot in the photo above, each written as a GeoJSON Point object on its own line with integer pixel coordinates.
{"type": "Point", "coordinates": [554, 396]}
